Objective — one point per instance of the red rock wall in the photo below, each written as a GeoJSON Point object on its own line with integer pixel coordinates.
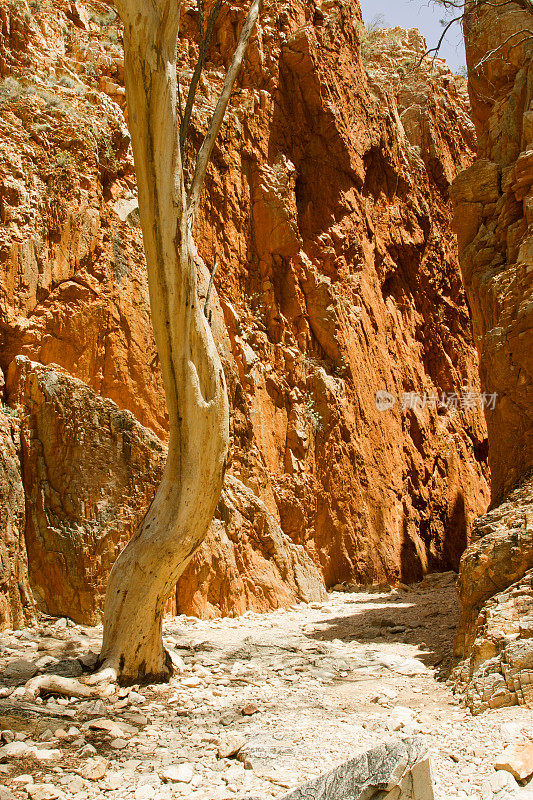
{"type": "Point", "coordinates": [16, 602]}
{"type": "Point", "coordinates": [327, 204]}
{"type": "Point", "coordinates": [493, 219]}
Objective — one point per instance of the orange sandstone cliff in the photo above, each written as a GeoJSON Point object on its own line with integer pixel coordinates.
{"type": "Point", "coordinates": [493, 218]}
{"type": "Point", "coordinates": [327, 207]}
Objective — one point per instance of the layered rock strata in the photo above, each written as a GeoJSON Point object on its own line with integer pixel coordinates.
{"type": "Point", "coordinates": [494, 644]}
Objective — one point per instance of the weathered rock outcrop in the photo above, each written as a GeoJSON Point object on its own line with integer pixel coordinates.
{"type": "Point", "coordinates": [493, 220]}
{"type": "Point", "coordinates": [494, 643]}
{"type": "Point", "coordinates": [396, 771]}
{"type": "Point", "coordinates": [246, 562]}
{"type": "Point", "coordinates": [90, 472]}
{"type": "Point", "coordinates": [16, 602]}
{"type": "Point", "coordinates": [327, 205]}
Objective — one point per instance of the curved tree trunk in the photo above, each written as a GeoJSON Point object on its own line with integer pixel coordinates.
{"type": "Point", "coordinates": [177, 521]}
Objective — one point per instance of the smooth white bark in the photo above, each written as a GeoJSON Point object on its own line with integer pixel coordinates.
{"type": "Point", "coordinates": [177, 521]}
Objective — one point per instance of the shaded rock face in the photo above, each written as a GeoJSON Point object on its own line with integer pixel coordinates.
{"type": "Point", "coordinates": [246, 562]}
{"type": "Point", "coordinates": [495, 636]}
{"type": "Point", "coordinates": [493, 220]}
{"type": "Point", "coordinates": [16, 602]}
{"type": "Point", "coordinates": [90, 471]}
{"type": "Point", "coordinates": [327, 206]}
{"type": "Point", "coordinates": [493, 201]}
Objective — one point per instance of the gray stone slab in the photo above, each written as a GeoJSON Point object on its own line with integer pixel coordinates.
{"type": "Point", "coordinates": [395, 771]}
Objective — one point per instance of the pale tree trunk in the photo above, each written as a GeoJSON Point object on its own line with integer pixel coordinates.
{"type": "Point", "coordinates": [177, 521]}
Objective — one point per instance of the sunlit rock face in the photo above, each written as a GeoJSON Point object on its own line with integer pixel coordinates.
{"type": "Point", "coordinates": [327, 208]}
{"type": "Point", "coordinates": [493, 215]}
{"type": "Point", "coordinates": [493, 201]}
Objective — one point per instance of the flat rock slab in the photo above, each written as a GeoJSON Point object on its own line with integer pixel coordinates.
{"type": "Point", "coordinates": [396, 771]}
{"type": "Point", "coordinates": [517, 759]}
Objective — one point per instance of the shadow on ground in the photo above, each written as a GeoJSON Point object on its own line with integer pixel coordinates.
{"type": "Point", "coordinates": [426, 619]}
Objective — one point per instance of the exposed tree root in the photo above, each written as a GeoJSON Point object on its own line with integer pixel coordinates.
{"type": "Point", "coordinates": [55, 684]}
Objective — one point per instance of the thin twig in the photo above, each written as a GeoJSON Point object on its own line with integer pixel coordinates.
{"type": "Point", "coordinates": [210, 285]}
{"type": "Point", "coordinates": [527, 5]}
{"type": "Point", "coordinates": [491, 53]}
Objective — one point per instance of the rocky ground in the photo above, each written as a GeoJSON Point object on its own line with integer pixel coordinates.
{"type": "Point", "coordinates": [259, 704]}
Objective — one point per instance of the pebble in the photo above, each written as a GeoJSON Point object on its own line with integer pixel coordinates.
{"type": "Point", "coordinates": [119, 744]}
{"type": "Point", "coordinates": [146, 792]}
{"type": "Point", "coordinates": [43, 791]}
{"type": "Point", "coordinates": [229, 744]}
{"type": "Point", "coordinates": [94, 768]}
{"type": "Point", "coordinates": [180, 773]}
{"type": "Point", "coordinates": [25, 750]}
{"type": "Point", "coordinates": [192, 682]}
{"type": "Point", "coordinates": [20, 670]}
{"type": "Point", "coordinates": [249, 710]}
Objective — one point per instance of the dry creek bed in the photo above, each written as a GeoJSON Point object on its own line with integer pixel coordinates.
{"type": "Point", "coordinates": [258, 705]}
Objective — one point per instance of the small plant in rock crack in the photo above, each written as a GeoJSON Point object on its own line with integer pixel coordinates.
{"type": "Point", "coordinates": [341, 368]}
{"type": "Point", "coordinates": [64, 160]}
{"type": "Point", "coordinates": [8, 411]}
{"type": "Point", "coordinates": [10, 89]}
{"type": "Point", "coordinates": [105, 19]}
{"type": "Point", "coordinates": [108, 162]}
{"type": "Point", "coordinates": [254, 301]}
{"type": "Point", "coordinates": [312, 415]}
{"type": "Point", "coordinates": [309, 363]}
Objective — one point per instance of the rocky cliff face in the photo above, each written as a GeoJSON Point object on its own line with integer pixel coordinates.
{"type": "Point", "coordinates": [493, 217]}
{"type": "Point", "coordinates": [327, 208]}
{"type": "Point", "coordinates": [90, 472]}
{"type": "Point", "coordinates": [16, 601]}
{"type": "Point", "coordinates": [493, 201]}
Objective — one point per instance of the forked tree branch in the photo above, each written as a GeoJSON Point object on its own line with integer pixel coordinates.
{"type": "Point", "coordinates": [464, 7]}
{"type": "Point", "coordinates": [527, 5]}
{"type": "Point", "coordinates": [435, 50]}
{"type": "Point", "coordinates": [206, 149]}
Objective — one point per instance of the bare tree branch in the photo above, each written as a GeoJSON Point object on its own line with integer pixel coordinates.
{"type": "Point", "coordinates": [205, 40]}
{"type": "Point", "coordinates": [218, 115]}
{"type": "Point", "coordinates": [527, 5]}
{"type": "Point", "coordinates": [435, 50]}
{"type": "Point", "coordinates": [491, 53]}
{"type": "Point", "coordinates": [465, 8]}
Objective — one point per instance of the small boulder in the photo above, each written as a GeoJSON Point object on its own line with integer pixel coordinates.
{"type": "Point", "coordinates": [43, 791]}
{"type": "Point", "coordinates": [179, 773]}
{"type": "Point", "coordinates": [94, 768]}
{"type": "Point", "coordinates": [20, 670]}
{"type": "Point", "coordinates": [518, 760]}
{"type": "Point", "coordinates": [230, 744]}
